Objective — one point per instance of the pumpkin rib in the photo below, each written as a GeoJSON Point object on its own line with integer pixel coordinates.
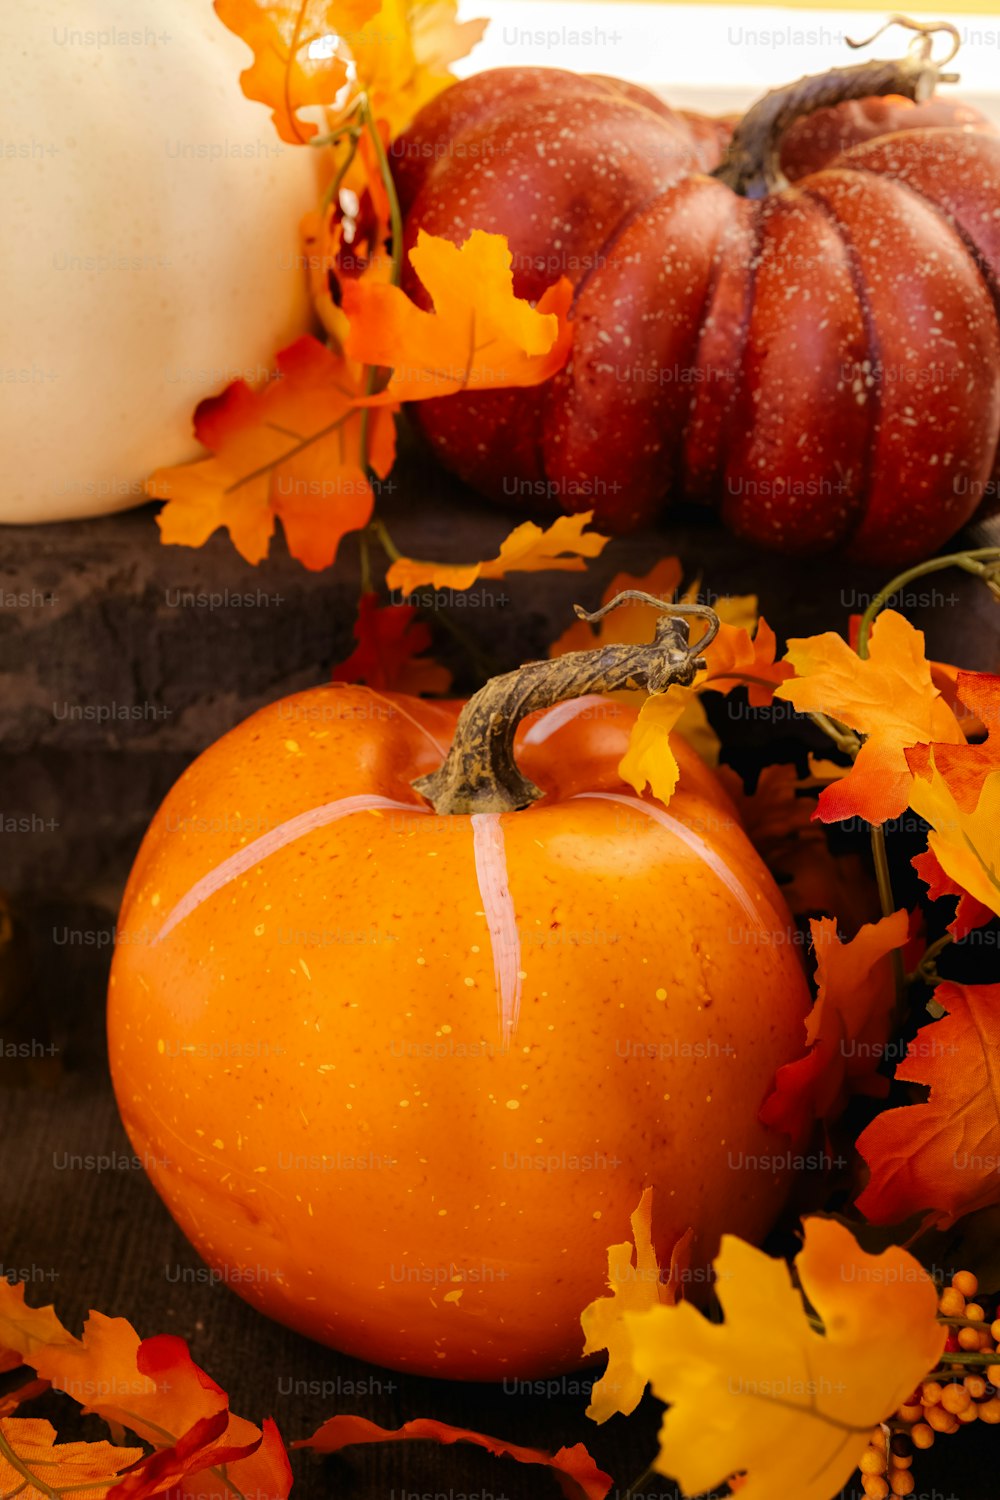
{"type": "Point", "coordinates": [989, 278]}
{"type": "Point", "coordinates": [873, 354]}
{"type": "Point", "coordinates": [742, 226]}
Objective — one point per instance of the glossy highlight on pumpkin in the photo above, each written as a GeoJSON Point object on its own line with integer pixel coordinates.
{"type": "Point", "coordinates": [401, 1078]}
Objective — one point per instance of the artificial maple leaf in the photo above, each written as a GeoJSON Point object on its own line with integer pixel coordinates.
{"type": "Point", "coordinates": [87, 1469]}
{"type": "Point", "coordinates": [778, 818]}
{"type": "Point", "coordinates": [559, 548]}
{"type": "Point", "coordinates": [737, 658]}
{"type": "Point", "coordinates": [765, 1394]}
{"type": "Point", "coordinates": [846, 1030]}
{"type": "Point", "coordinates": [964, 841]}
{"type": "Point", "coordinates": [479, 335]}
{"type": "Point", "coordinates": [578, 1474]}
{"type": "Point", "coordinates": [964, 767]}
{"type": "Point", "coordinates": [635, 1282]}
{"type": "Point", "coordinates": [387, 656]}
{"type": "Point", "coordinates": [299, 59]}
{"type": "Point", "coordinates": [291, 451]}
{"type": "Point", "coordinates": [649, 759]}
{"type": "Point", "coordinates": [942, 1156]}
{"type": "Point", "coordinates": [153, 1388]}
{"type": "Point", "coordinates": [969, 913]}
{"type": "Point", "coordinates": [889, 698]}
{"type": "Point", "coordinates": [403, 54]}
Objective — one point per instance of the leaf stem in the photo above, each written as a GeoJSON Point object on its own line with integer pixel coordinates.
{"type": "Point", "coordinates": [970, 562]}
{"type": "Point", "coordinates": [845, 739]}
{"type": "Point", "coordinates": [378, 528]}
{"type": "Point", "coordinates": [925, 971]}
{"type": "Point", "coordinates": [632, 1493]}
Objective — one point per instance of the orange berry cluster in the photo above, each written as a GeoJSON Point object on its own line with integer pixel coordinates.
{"type": "Point", "coordinates": [938, 1406]}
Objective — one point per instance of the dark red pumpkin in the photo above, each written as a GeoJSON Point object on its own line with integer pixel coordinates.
{"type": "Point", "coordinates": [822, 363]}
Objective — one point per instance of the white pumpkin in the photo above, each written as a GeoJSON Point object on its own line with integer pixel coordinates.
{"type": "Point", "coordinates": [150, 248]}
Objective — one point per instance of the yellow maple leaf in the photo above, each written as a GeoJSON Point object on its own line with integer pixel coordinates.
{"type": "Point", "coordinates": [635, 1282]}
{"type": "Point", "coordinates": [890, 698]}
{"type": "Point", "coordinates": [766, 1394]}
{"type": "Point", "coordinates": [87, 1469]}
{"type": "Point", "coordinates": [966, 842]}
{"type": "Point", "coordinates": [299, 54]}
{"type": "Point", "coordinates": [479, 335]}
{"type": "Point", "coordinates": [559, 548]}
{"type": "Point", "coordinates": [649, 759]}
{"type": "Point", "coordinates": [403, 53]}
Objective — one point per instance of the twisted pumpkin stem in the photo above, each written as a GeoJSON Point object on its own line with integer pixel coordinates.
{"type": "Point", "coordinates": [480, 774]}
{"type": "Point", "coordinates": [751, 165]}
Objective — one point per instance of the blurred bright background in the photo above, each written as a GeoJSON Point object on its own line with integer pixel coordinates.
{"type": "Point", "coordinates": [719, 57]}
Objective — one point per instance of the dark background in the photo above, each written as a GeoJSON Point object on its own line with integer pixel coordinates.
{"type": "Point", "coordinates": [101, 627]}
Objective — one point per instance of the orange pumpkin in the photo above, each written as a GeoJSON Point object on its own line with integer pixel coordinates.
{"type": "Point", "coordinates": [401, 1076]}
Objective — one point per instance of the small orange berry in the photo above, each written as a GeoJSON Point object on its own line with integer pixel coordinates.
{"type": "Point", "coordinates": [875, 1487]}
{"type": "Point", "coordinates": [922, 1435]}
{"type": "Point", "coordinates": [995, 1329]}
{"type": "Point", "coordinates": [968, 1338]}
{"type": "Point", "coordinates": [931, 1392]}
{"type": "Point", "coordinates": [969, 1413]}
{"type": "Point", "coordinates": [872, 1461]}
{"type": "Point", "coordinates": [955, 1398]}
{"type": "Point", "coordinates": [941, 1420]}
{"type": "Point", "coordinates": [901, 1481]}
{"type": "Point", "coordinates": [976, 1386]}
{"type": "Point", "coordinates": [952, 1303]}
{"type": "Point", "coordinates": [993, 1374]}
{"type": "Point", "coordinates": [976, 1313]}
{"type": "Point", "coordinates": [910, 1413]}
{"type": "Point", "coordinates": [966, 1283]}
{"type": "Point", "coordinates": [989, 1412]}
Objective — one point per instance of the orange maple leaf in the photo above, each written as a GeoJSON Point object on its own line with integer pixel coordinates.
{"type": "Point", "coordinates": [299, 58]}
{"type": "Point", "coordinates": [846, 1030]}
{"type": "Point", "coordinates": [88, 1469]}
{"type": "Point", "coordinates": [778, 817]}
{"type": "Point", "coordinates": [964, 768]}
{"type": "Point", "coordinates": [943, 1155]}
{"type": "Point", "coordinates": [735, 658]}
{"type": "Point", "coordinates": [479, 335]}
{"type": "Point", "coordinates": [559, 548]}
{"type": "Point", "coordinates": [577, 1471]}
{"type": "Point", "coordinates": [291, 451]}
{"type": "Point", "coordinates": [889, 698]}
{"type": "Point", "coordinates": [969, 913]}
{"type": "Point", "coordinates": [153, 1388]}
{"type": "Point", "coordinates": [387, 655]}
